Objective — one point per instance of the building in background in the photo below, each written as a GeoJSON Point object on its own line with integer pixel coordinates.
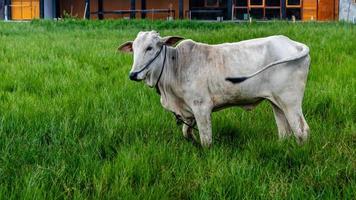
{"type": "Point", "coordinates": [28, 9]}
{"type": "Point", "coordinates": [2, 15]}
{"type": "Point", "coordinates": [348, 10]}
{"type": "Point", "coordinates": [324, 10]}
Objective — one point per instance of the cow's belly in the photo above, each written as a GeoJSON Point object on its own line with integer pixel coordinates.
{"type": "Point", "coordinates": [247, 95]}
{"type": "Point", "coordinates": [247, 104]}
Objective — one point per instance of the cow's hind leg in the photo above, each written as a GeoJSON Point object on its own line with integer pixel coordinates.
{"type": "Point", "coordinates": [284, 129]}
{"type": "Point", "coordinates": [298, 124]}
{"type": "Point", "coordinates": [289, 96]}
{"type": "Point", "coordinates": [292, 109]}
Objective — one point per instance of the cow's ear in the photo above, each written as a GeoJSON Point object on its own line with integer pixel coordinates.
{"type": "Point", "coordinates": [125, 47]}
{"type": "Point", "coordinates": [171, 40]}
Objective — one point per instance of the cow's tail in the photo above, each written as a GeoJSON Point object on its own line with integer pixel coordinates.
{"type": "Point", "coordinates": [302, 54]}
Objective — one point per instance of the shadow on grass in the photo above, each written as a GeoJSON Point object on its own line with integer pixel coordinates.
{"type": "Point", "coordinates": [283, 156]}
{"type": "Point", "coordinates": [232, 137]}
{"type": "Point", "coordinates": [226, 136]}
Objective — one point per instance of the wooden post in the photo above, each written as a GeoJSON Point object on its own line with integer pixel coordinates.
{"type": "Point", "coordinates": [2, 9]}
{"type": "Point", "coordinates": [143, 7]}
{"type": "Point", "coordinates": [41, 9]}
{"type": "Point", "coordinates": [100, 9]}
{"type": "Point", "coordinates": [180, 7]}
{"type": "Point", "coordinates": [7, 10]}
{"type": "Point", "coordinates": [283, 9]}
{"type": "Point", "coordinates": [233, 12]}
{"type": "Point", "coordinates": [133, 7]}
{"type": "Point", "coordinates": [87, 11]}
{"type": "Point", "coordinates": [57, 9]}
{"type": "Point", "coordinates": [229, 10]}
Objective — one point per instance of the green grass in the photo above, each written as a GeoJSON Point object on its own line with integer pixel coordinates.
{"type": "Point", "coordinates": [72, 125]}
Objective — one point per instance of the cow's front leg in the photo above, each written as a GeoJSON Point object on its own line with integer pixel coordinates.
{"type": "Point", "coordinates": [188, 127]}
{"type": "Point", "coordinates": [202, 116]}
{"type": "Point", "coordinates": [187, 131]}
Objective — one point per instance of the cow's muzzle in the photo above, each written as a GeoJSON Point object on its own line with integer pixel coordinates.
{"type": "Point", "coordinates": [133, 76]}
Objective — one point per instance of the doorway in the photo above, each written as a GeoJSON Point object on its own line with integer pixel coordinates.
{"type": "Point", "coordinates": [328, 10]}
{"type": "Point", "coordinates": [25, 9]}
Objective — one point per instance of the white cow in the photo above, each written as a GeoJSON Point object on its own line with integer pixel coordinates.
{"type": "Point", "coordinates": [195, 79]}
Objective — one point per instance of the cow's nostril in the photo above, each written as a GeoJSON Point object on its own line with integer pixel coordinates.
{"type": "Point", "coordinates": [133, 76]}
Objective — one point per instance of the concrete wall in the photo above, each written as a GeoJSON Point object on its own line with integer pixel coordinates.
{"type": "Point", "coordinates": [347, 10]}
{"type": "Point", "coordinates": [49, 9]}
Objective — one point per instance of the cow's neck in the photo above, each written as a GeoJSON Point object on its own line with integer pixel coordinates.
{"type": "Point", "coordinates": [168, 77]}
{"type": "Point", "coordinates": [168, 85]}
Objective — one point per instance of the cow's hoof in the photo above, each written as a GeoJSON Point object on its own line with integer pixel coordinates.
{"type": "Point", "coordinates": [191, 137]}
{"type": "Point", "coordinates": [206, 144]}
{"type": "Point", "coordinates": [302, 139]}
{"type": "Point", "coordinates": [187, 136]}
{"type": "Point", "coordinates": [284, 135]}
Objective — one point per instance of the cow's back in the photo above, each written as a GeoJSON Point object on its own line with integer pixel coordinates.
{"type": "Point", "coordinates": [238, 58]}
{"type": "Point", "coordinates": [203, 68]}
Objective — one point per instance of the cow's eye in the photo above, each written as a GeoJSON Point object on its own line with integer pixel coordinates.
{"type": "Point", "coordinates": [149, 49]}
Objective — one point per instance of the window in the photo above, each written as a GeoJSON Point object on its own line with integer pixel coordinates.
{"type": "Point", "coordinates": [196, 4]}
{"type": "Point", "coordinates": [211, 3]}
{"type": "Point", "coordinates": [207, 3]}
{"type": "Point", "coordinates": [293, 3]}
{"type": "Point", "coordinates": [241, 3]}
{"type": "Point", "coordinates": [257, 3]}
{"type": "Point", "coordinates": [272, 3]}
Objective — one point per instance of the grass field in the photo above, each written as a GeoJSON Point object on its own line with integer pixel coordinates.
{"type": "Point", "coordinates": [72, 125]}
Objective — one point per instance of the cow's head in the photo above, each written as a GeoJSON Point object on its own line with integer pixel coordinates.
{"type": "Point", "coordinates": [148, 54]}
